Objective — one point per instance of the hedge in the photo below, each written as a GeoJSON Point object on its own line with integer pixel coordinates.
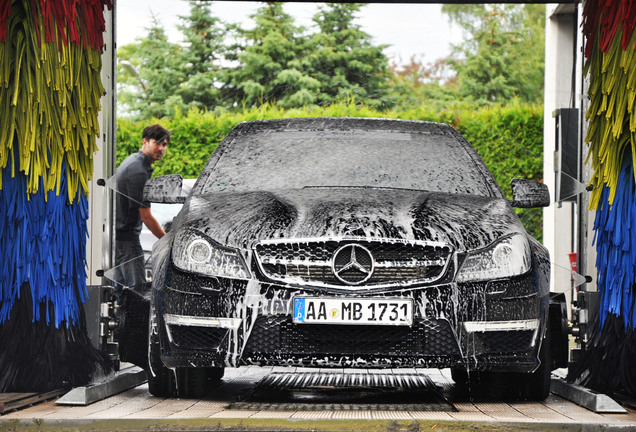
{"type": "Point", "coordinates": [508, 138]}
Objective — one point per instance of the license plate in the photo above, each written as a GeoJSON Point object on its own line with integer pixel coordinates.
{"type": "Point", "coordinates": [367, 311]}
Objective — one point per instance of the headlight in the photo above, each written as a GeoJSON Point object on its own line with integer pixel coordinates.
{"type": "Point", "coordinates": [195, 252]}
{"type": "Point", "coordinates": [507, 257]}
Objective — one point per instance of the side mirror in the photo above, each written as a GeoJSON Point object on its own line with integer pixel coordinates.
{"type": "Point", "coordinates": [166, 189]}
{"type": "Point", "coordinates": [529, 193]}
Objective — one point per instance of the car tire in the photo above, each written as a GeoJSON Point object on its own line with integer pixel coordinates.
{"type": "Point", "coordinates": [182, 382]}
{"type": "Point", "coordinates": [559, 331]}
{"type": "Point", "coordinates": [197, 382]}
{"type": "Point", "coordinates": [538, 382]}
{"type": "Point", "coordinates": [192, 382]}
{"type": "Point", "coordinates": [534, 386]}
{"type": "Point", "coordinates": [161, 380]}
{"type": "Point", "coordinates": [460, 375]}
{"type": "Point", "coordinates": [215, 374]}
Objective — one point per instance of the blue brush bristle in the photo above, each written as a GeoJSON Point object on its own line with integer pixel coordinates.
{"type": "Point", "coordinates": [615, 241]}
{"type": "Point", "coordinates": [43, 243]}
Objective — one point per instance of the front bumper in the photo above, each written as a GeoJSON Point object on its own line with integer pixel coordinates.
{"type": "Point", "coordinates": [206, 322]}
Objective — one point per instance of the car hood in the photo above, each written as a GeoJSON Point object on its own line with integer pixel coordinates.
{"type": "Point", "coordinates": [240, 220]}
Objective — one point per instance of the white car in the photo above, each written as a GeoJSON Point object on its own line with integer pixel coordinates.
{"type": "Point", "coordinates": [164, 213]}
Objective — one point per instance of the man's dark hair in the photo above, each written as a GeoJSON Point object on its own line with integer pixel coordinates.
{"type": "Point", "coordinates": [157, 132]}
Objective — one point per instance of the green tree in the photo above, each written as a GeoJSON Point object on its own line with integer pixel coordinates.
{"type": "Point", "coordinates": [502, 54]}
{"type": "Point", "coordinates": [202, 52]}
{"type": "Point", "coordinates": [152, 92]}
{"type": "Point", "coordinates": [272, 68]}
{"type": "Point", "coordinates": [130, 86]}
{"type": "Point", "coordinates": [415, 83]}
{"type": "Point", "coordinates": [344, 59]}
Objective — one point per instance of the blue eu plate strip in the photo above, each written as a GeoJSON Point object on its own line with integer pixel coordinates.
{"type": "Point", "coordinates": [299, 310]}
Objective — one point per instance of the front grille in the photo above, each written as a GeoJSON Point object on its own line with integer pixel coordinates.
{"type": "Point", "coordinates": [279, 335]}
{"type": "Point", "coordinates": [311, 262]}
{"type": "Point", "coordinates": [197, 338]}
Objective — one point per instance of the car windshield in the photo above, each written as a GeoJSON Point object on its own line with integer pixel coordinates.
{"type": "Point", "coordinates": [294, 159]}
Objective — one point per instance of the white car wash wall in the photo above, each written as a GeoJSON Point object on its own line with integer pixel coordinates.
{"type": "Point", "coordinates": [100, 222]}
{"type": "Point", "coordinates": [567, 226]}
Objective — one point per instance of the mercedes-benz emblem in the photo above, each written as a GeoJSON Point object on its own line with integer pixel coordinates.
{"type": "Point", "coordinates": [352, 264]}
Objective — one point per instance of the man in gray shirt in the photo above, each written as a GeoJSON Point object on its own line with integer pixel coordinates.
{"type": "Point", "coordinates": [132, 211]}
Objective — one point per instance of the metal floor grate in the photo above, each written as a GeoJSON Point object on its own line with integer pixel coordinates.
{"type": "Point", "coordinates": [317, 391]}
{"type": "Point", "coordinates": [15, 401]}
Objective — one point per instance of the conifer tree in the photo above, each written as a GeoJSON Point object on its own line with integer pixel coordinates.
{"type": "Point", "coordinates": [202, 51]}
{"type": "Point", "coordinates": [272, 68]}
{"type": "Point", "coordinates": [149, 94]}
{"type": "Point", "coordinates": [502, 54]}
{"type": "Point", "coordinates": [344, 59]}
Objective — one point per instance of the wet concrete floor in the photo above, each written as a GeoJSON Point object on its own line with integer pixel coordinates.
{"type": "Point", "coordinates": [266, 398]}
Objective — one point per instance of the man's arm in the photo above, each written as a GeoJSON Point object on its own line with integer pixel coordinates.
{"type": "Point", "coordinates": [149, 220]}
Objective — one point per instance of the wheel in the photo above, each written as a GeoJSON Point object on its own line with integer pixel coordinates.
{"type": "Point", "coordinates": [459, 375]}
{"type": "Point", "coordinates": [559, 331]}
{"type": "Point", "coordinates": [161, 380]}
{"type": "Point", "coordinates": [538, 382]}
{"type": "Point", "coordinates": [534, 386]}
{"type": "Point", "coordinates": [216, 373]}
{"type": "Point", "coordinates": [474, 381]}
{"type": "Point", "coordinates": [188, 383]}
{"type": "Point", "coordinates": [194, 383]}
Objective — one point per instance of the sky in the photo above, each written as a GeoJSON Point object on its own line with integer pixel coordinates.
{"type": "Point", "coordinates": [419, 30]}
